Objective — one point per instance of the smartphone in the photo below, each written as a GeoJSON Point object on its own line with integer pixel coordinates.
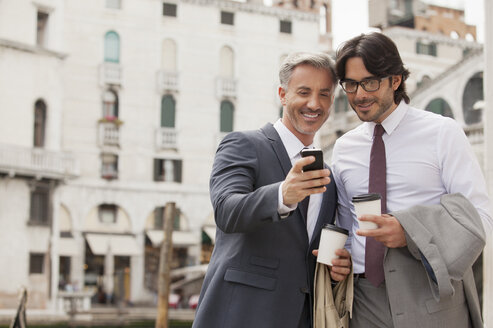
{"type": "Point", "coordinates": [319, 159]}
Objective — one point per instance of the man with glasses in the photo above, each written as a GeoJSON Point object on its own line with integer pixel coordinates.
{"type": "Point", "coordinates": [407, 271]}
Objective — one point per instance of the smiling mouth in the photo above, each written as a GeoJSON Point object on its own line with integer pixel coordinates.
{"type": "Point", "coordinates": [365, 106]}
{"type": "Point", "coordinates": [310, 115]}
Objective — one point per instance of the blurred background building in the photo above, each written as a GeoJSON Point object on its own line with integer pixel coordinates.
{"type": "Point", "coordinates": [112, 108]}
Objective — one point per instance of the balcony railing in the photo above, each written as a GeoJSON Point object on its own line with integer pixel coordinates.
{"type": "Point", "coordinates": [110, 73]}
{"type": "Point", "coordinates": [226, 87]}
{"type": "Point", "coordinates": [109, 134]}
{"type": "Point", "coordinates": [167, 81]}
{"type": "Point", "coordinates": [109, 173]}
{"type": "Point", "coordinates": [37, 162]}
{"type": "Point", "coordinates": [166, 138]}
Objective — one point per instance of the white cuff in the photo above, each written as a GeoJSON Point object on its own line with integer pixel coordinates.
{"type": "Point", "coordinates": [282, 209]}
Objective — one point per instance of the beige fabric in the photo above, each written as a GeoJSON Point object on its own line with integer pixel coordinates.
{"type": "Point", "coordinates": [332, 308]}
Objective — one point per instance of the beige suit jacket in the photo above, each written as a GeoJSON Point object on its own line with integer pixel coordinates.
{"type": "Point", "coordinates": [332, 308]}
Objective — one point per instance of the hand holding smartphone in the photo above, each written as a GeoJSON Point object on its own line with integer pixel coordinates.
{"type": "Point", "coordinates": [319, 159]}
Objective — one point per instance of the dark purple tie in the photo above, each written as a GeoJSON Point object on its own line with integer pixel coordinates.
{"type": "Point", "coordinates": [375, 250]}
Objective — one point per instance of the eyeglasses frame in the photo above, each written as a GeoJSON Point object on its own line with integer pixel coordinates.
{"type": "Point", "coordinates": [359, 83]}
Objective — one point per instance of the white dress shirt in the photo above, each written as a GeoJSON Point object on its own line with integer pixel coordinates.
{"type": "Point", "coordinates": [293, 147]}
{"type": "Point", "coordinates": [428, 155]}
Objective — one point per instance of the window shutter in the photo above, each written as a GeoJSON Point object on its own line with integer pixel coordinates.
{"type": "Point", "coordinates": [158, 218]}
{"type": "Point", "coordinates": [112, 47]}
{"type": "Point", "coordinates": [177, 170]}
{"type": "Point", "coordinates": [226, 120]}
{"type": "Point", "coordinates": [168, 112]}
{"type": "Point", "coordinates": [176, 221]}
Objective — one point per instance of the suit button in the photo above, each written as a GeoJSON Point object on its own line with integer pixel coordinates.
{"type": "Point", "coordinates": [305, 290]}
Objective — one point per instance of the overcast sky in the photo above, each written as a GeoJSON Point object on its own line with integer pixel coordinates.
{"type": "Point", "coordinates": [350, 18]}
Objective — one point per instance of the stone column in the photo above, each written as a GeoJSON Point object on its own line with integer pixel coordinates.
{"type": "Point", "coordinates": [77, 265]}
{"type": "Point", "coordinates": [54, 238]}
{"type": "Point", "coordinates": [109, 271]}
{"type": "Point", "coordinates": [137, 272]}
{"type": "Point", "coordinates": [488, 132]}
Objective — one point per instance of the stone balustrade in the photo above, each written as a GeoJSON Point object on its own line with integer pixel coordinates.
{"type": "Point", "coordinates": [37, 162]}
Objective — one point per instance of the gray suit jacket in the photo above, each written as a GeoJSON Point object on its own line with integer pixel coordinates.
{"type": "Point", "coordinates": [450, 236]}
{"type": "Point", "coordinates": [262, 267]}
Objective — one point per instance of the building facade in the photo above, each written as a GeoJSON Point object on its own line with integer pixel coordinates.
{"type": "Point", "coordinates": [110, 110]}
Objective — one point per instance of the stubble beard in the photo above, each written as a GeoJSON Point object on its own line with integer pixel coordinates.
{"type": "Point", "coordinates": [297, 123]}
{"type": "Point", "coordinates": [383, 106]}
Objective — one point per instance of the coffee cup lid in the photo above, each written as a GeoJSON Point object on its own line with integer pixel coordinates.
{"type": "Point", "coordinates": [335, 228]}
{"type": "Point", "coordinates": [365, 197]}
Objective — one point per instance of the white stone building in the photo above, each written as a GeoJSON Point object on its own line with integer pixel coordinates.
{"type": "Point", "coordinates": [109, 110]}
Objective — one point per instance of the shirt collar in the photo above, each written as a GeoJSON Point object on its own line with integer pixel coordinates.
{"type": "Point", "coordinates": [392, 121]}
{"type": "Point", "coordinates": [292, 144]}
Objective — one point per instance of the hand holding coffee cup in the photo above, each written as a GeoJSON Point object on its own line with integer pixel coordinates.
{"type": "Point", "coordinates": [367, 204]}
{"type": "Point", "coordinates": [332, 238]}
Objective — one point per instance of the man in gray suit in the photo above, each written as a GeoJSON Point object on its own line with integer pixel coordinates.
{"type": "Point", "coordinates": [414, 270]}
{"type": "Point", "coordinates": [261, 271]}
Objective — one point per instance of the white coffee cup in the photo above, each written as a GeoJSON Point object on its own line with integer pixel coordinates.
{"type": "Point", "coordinates": [367, 204]}
{"type": "Point", "coordinates": [331, 239]}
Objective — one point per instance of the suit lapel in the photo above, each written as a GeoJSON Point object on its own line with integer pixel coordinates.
{"type": "Point", "coordinates": [278, 147]}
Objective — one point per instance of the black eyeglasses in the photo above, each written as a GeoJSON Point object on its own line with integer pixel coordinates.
{"type": "Point", "coordinates": [369, 85]}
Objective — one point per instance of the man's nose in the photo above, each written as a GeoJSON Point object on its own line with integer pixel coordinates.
{"type": "Point", "coordinates": [314, 103]}
{"type": "Point", "coordinates": [360, 92]}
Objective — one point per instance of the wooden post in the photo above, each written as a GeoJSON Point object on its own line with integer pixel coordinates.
{"type": "Point", "coordinates": [19, 321]}
{"type": "Point", "coordinates": [164, 267]}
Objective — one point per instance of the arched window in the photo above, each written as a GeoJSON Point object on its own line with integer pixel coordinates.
{"type": "Point", "coordinates": [471, 98]}
{"type": "Point", "coordinates": [39, 123]}
{"type": "Point", "coordinates": [226, 62]}
{"type": "Point", "coordinates": [440, 106]}
{"type": "Point", "coordinates": [168, 111]}
{"type": "Point", "coordinates": [112, 47]}
{"type": "Point", "coordinates": [454, 35]}
{"type": "Point", "coordinates": [227, 113]}
{"type": "Point", "coordinates": [169, 55]}
{"type": "Point", "coordinates": [110, 104]}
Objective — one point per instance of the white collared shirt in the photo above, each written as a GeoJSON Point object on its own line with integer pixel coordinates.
{"type": "Point", "coordinates": [293, 147]}
{"type": "Point", "coordinates": [428, 155]}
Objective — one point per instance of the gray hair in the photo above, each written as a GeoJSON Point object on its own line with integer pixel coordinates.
{"type": "Point", "coordinates": [318, 60]}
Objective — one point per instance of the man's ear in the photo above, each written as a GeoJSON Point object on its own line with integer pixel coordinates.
{"type": "Point", "coordinates": [282, 95]}
{"type": "Point", "coordinates": [396, 81]}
